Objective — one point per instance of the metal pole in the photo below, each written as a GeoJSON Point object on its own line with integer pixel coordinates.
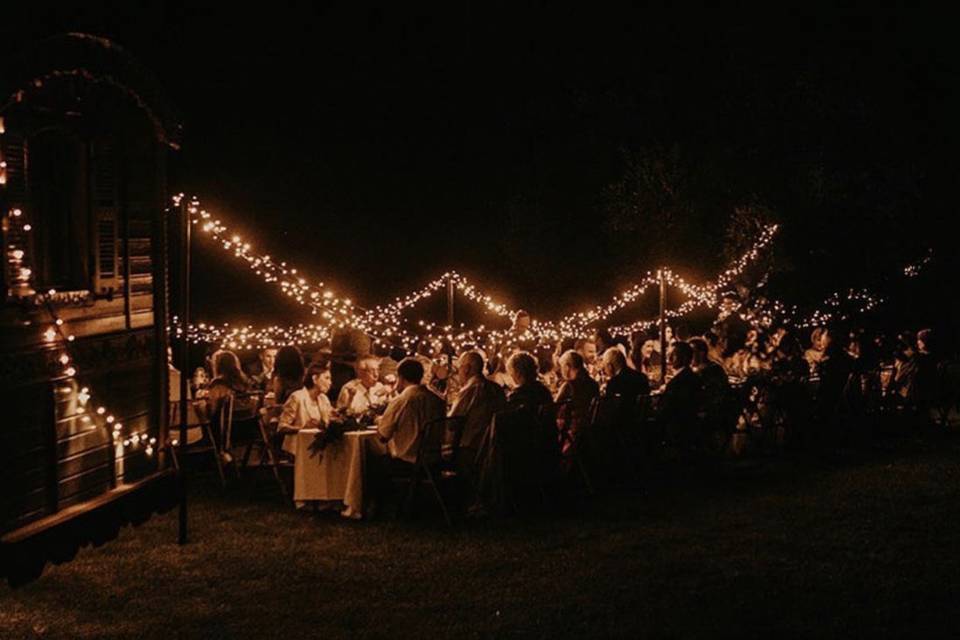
{"type": "Point", "coordinates": [450, 301]}
{"type": "Point", "coordinates": [663, 327]}
{"type": "Point", "coordinates": [184, 360]}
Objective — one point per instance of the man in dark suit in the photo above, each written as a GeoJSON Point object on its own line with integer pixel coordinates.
{"type": "Point", "coordinates": [680, 405]}
{"type": "Point", "coordinates": [623, 381]}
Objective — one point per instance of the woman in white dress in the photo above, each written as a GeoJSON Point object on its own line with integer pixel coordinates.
{"type": "Point", "coordinates": [309, 407]}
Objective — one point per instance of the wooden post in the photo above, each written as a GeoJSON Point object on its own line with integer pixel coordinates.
{"type": "Point", "coordinates": [450, 294]}
{"type": "Point", "coordinates": [184, 361]}
{"type": "Point", "coordinates": [663, 327]}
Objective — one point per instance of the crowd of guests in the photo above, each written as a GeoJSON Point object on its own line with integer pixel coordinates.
{"type": "Point", "coordinates": [693, 394]}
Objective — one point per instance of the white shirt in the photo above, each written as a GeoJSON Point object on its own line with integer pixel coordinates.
{"type": "Point", "coordinates": [402, 424]}
{"type": "Point", "coordinates": [356, 399]}
{"type": "Point", "coordinates": [479, 399]}
{"type": "Point", "coordinates": [300, 408]}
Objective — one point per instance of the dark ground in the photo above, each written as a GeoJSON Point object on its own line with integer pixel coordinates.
{"type": "Point", "coordinates": [861, 543]}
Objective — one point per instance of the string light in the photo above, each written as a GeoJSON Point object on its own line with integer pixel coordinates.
{"type": "Point", "coordinates": [385, 324]}
{"type": "Point", "coordinates": [3, 162]}
{"type": "Point", "coordinates": [340, 312]}
{"type": "Point", "coordinates": [19, 271]}
{"type": "Point", "coordinates": [54, 333]}
{"type": "Point", "coordinates": [913, 270]}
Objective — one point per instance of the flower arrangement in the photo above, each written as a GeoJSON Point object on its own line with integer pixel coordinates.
{"type": "Point", "coordinates": [331, 432]}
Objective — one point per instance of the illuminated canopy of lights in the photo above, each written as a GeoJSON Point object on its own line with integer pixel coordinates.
{"type": "Point", "coordinates": [385, 323]}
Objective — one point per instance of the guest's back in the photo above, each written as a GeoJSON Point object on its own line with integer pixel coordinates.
{"type": "Point", "coordinates": [629, 385]}
{"type": "Point", "coordinates": [405, 418]}
{"type": "Point", "coordinates": [531, 394]}
{"type": "Point", "coordinates": [478, 401]}
{"type": "Point", "coordinates": [576, 396]}
{"type": "Point", "coordinates": [682, 399]}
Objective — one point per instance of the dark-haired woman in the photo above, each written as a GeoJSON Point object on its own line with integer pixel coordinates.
{"type": "Point", "coordinates": [228, 379]}
{"type": "Point", "coordinates": [308, 407]}
{"type": "Point", "coordinates": [287, 374]}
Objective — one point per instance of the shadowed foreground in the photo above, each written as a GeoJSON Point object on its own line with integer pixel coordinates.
{"type": "Point", "coordinates": [863, 543]}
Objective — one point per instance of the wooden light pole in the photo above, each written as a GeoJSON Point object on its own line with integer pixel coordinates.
{"type": "Point", "coordinates": [184, 361]}
{"type": "Point", "coordinates": [663, 327]}
{"type": "Point", "coordinates": [449, 301]}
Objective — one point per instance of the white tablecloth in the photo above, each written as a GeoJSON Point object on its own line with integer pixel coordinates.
{"type": "Point", "coordinates": [337, 475]}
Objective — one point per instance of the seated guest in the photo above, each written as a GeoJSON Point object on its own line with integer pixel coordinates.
{"type": "Point", "coordinates": [308, 407]}
{"type": "Point", "coordinates": [523, 440]}
{"type": "Point", "coordinates": [498, 369]}
{"type": "Point", "coordinates": [527, 389]}
{"type": "Point", "coordinates": [477, 401]}
{"type": "Point", "coordinates": [548, 368]}
{"type": "Point", "coordinates": [365, 392]}
{"type": "Point", "coordinates": [710, 372]}
{"type": "Point", "coordinates": [835, 394]}
{"type": "Point", "coordinates": [388, 364]}
{"type": "Point", "coordinates": [587, 348]}
{"type": "Point", "coordinates": [262, 372]}
{"type": "Point", "coordinates": [563, 345]}
{"type": "Point", "coordinates": [442, 380]}
{"type": "Point", "coordinates": [680, 404]}
{"type": "Point", "coordinates": [713, 380]}
{"type": "Point", "coordinates": [287, 374]}
{"type": "Point", "coordinates": [229, 382]}
{"type": "Point", "coordinates": [681, 332]}
{"type": "Point", "coordinates": [647, 361]}
{"type": "Point", "coordinates": [715, 347]}
{"type": "Point", "coordinates": [735, 356]}
{"type": "Point", "coordinates": [402, 424]}
{"type": "Point", "coordinates": [814, 354]}
{"type": "Point", "coordinates": [576, 394]}
{"type": "Point", "coordinates": [173, 382]}
{"type": "Point", "coordinates": [622, 380]}
{"type": "Point", "coordinates": [603, 340]}
{"type": "Point", "coordinates": [228, 379]}
{"type": "Point", "coordinates": [424, 357]}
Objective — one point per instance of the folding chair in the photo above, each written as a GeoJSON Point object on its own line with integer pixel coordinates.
{"type": "Point", "coordinates": [175, 448]}
{"type": "Point", "coordinates": [269, 453]}
{"type": "Point", "coordinates": [513, 461]}
{"type": "Point", "coordinates": [241, 407]}
{"type": "Point", "coordinates": [429, 467]}
{"type": "Point", "coordinates": [572, 439]}
{"type": "Point", "coordinates": [612, 421]}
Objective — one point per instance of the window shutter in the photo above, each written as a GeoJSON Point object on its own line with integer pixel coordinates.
{"type": "Point", "coordinates": [13, 153]}
{"type": "Point", "coordinates": [106, 215]}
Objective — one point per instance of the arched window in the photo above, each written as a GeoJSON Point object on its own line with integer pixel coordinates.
{"type": "Point", "coordinates": [74, 199]}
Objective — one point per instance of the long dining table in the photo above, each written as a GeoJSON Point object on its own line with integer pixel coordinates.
{"type": "Point", "coordinates": [335, 475]}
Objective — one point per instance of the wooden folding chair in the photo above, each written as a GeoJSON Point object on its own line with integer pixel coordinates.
{"type": "Point", "coordinates": [269, 453]}
{"type": "Point", "coordinates": [522, 457]}
{"type": "Point", "coordinates": [572, 439]}
{"type": "Point", "coordinates": [239, 407]}
{"type": "Point", "coordinates": [429, 467]}
{"type": "Point", "coordinates": [612, 424]}
{"type": "Point", "coordinates": [175, 448]}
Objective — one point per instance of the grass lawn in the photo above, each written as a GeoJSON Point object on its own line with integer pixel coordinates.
{"type": "Point", "coordinates": [863, 543]}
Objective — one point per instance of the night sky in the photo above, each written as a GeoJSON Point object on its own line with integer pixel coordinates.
{"type": "Point", "coordinates": [378, 146]}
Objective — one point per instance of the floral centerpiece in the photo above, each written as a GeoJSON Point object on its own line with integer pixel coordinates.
{"type": "Point", "coordinates": [332, 432]}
